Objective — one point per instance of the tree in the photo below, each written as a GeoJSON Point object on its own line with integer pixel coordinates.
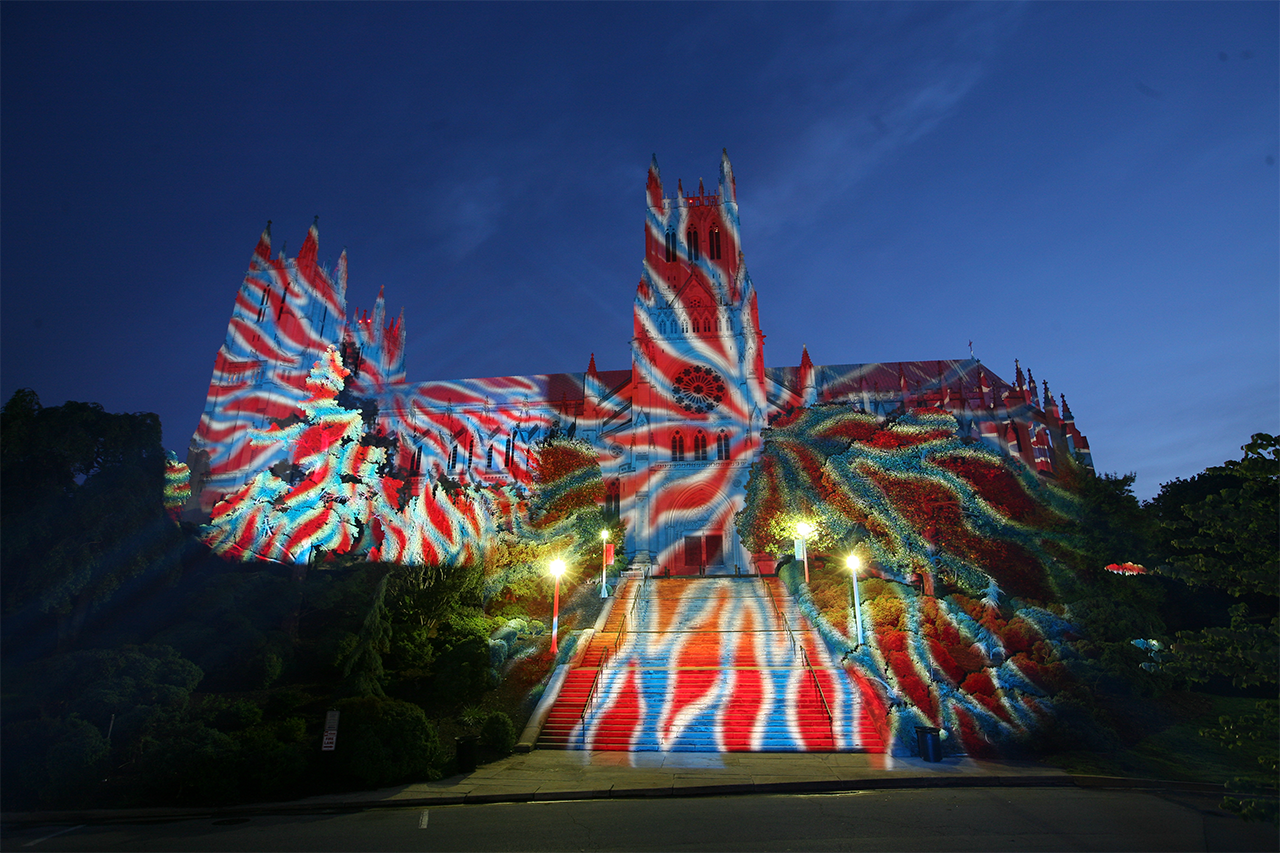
{"type": "Point", "coordinates": [83, 510]}
{"type": "Point", "coordinates": [1228, 540]}
{"type": "Point", "coordinates": [1112, 524]}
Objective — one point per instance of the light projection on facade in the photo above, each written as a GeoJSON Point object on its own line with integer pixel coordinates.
{"type": "Point", "coordinates": [675, 434]}
{"type": "Point", "coordinates": [313, 443]}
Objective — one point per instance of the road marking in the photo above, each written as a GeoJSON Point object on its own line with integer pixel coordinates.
{"type": "Point", "coordinates": [51, 835]}
{"type": "Point", "coordinates": [422, 820]}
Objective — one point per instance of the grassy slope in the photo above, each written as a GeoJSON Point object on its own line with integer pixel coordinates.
{"type": "Point", "coordinates": [1178, 752]}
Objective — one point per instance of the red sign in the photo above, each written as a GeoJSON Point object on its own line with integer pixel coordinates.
{"type": "Point", "coordinates": [608, 553]}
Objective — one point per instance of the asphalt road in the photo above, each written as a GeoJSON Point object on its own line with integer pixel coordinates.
{"type": "Point", "coordinates": [980, 819]}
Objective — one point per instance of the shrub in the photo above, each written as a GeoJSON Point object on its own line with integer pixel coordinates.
{"type": "Point", "coordinates": [385, 742]}
{"type": "Point", "coordinates": [52, 761]}
{"type": "Point", "coordinates": [461, 665]}
{"type": "Point", "coordinates": [498, 733]}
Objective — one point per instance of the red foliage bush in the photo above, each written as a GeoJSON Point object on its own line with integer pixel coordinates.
{"type": "Point", "coordinates": [1020, 635]}
{"type": "Point", "coordinates": [810, 464]}
{"type": "Point", "coordinates": [886, 609]}
{"type": "Point", "coordinates": [978, 684]}
{"type": "Point", "coordinates": [923, 503]}
{"type": "Point", "coordinates": [917, 691]}
{"type": "Point", "coordinates": [996, 485]}
{"type": "Point", "coordinates": [853, 429]}
{"type": "Point", "coordinates": [993, 704]}
{"type": "Point", "coordinates": [1031, 669]}
{"type": "Point", "coordinates": [891, 641]}
{"type": "Point", "coordinates": [989, 618]}
{"type": "Point", "coordinates": [892, 439]}
{"type": "Point", "coordinates": [943, 660]}
{"type": "Point", "coordinates": [968, 658]}
{"type": "Point", "coordinates": [974, 743]}
{"type": "Point", "coordinates": [1050, 676]}
{"type": "Point", "coordinates": [559, 459]}
{"type": "Point", "coordinates": [949, 634]}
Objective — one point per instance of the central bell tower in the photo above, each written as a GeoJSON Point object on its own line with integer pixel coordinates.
{"type": "Point", "coordinates": [698, 374]}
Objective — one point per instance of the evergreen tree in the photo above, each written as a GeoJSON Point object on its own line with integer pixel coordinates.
{"type": "Point", "coordinates": [82, 509]}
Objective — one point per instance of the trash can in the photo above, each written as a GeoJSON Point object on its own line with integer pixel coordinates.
{"type": "Point", "coordinates": [466, 746]}
{"type": "Point", "coordinates": [930, 744]}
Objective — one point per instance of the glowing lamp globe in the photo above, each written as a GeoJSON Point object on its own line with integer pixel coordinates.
{"type": "Point", "coordinates": [557, 567]}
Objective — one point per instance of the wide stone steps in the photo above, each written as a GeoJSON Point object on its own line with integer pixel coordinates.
{"type": "Point", "coordinates": [703, 665]}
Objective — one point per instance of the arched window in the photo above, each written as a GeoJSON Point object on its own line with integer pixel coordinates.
{"type": "Point", "coordinates": [284, 296]}
{"type": "Point", "coordinates": [693, 244]}
{"type": "Point", "coordinates": [506, 459]}
{"type": "Point", "coordinates": [453, 457]}
{"type": "Point", "coordinates": [713, 244]}
{"type": "Point", "coordinates": [613, 500]}
{"type": "Point", "coordinates": [262, 308]}
{"type": "Point", "coordinates": [671, 245]}
{"type": "Point", "coordinates": [677, 448]}
{"type": "Point", "coordinates": [700, 446]}
{"type": "Point", "coordinates": [722, 445]}
{"type": "Point", "coordinates": [488, 458]}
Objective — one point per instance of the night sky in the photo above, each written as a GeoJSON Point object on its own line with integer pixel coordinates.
{"type": "Point", "coordinates": [1089, 187]}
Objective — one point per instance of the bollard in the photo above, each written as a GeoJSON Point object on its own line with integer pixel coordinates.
{"type": "Point", "coordinates": [466, 749]}
{"type": "Point", "coordinates": [929, 744]}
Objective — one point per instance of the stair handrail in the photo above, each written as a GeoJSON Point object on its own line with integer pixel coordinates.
{"type": "Point", "coordinates": [782, 620]}
{"type": "Point", "coordinates": [831, 723]}
{"type": "Point", "coordinates": [606, 655]}
{"type": "Point", "coordinates": [804, 657]}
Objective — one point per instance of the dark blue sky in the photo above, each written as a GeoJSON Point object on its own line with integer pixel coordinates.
{"type": "Point", "coordinates": [1089, 187]}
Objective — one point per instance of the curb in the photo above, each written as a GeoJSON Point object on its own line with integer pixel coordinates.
{"type": "Point", "coordinates": [164, 815]}
{"type": "Point", "coordinates": [479, 797]}
{"type": "Point", "coordinates": [1162, 784]}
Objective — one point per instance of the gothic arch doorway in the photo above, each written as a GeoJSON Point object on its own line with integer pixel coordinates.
{"type": "Point", "coordinates": [697, 531]}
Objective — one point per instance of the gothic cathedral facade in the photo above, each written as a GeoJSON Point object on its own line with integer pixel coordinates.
{"type": "Point", "coordinates": [675, 433]}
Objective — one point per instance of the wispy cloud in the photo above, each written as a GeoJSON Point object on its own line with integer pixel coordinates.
{"type": "Point", "coordinates": [887, 79]}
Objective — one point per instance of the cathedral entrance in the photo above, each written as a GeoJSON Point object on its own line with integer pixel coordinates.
{"type": "Point", "coordinates": [697, 535]}
{"type": "Point", "coordinates": [703, 551]}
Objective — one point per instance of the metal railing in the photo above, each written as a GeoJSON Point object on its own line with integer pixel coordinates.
{"type": "Point", "coordinates": [606, 654]}
{"type": "Point", "coordinates": [804, 657]}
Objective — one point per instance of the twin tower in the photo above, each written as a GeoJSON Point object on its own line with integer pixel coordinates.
{"type": "Point", "coordinates": [676, 432]}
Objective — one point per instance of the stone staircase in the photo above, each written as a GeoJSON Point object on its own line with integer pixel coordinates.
{"type": "Point", "coordinates": [567, 713]}
{"type": "Point", "coordinates": [716, 664]}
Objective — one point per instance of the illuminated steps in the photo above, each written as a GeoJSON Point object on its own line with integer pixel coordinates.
{"type": "Point", "coordinates": [707, 665]}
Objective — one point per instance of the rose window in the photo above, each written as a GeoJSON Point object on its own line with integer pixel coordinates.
{"type": "Point", "coordinates": [698, 389]}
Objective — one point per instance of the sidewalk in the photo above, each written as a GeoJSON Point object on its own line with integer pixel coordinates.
{"type": "Point", "coordinates": [569, 775]}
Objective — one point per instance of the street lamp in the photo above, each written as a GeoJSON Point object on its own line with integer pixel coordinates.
{"type": "Point", "coordinates": [557, 569]}
{"type": "Point", "coordinates": [805, 529]}
{"type": "Point", "coordinates": [604, 562]}
{"type": "Point", "coordinates": [854, 563]}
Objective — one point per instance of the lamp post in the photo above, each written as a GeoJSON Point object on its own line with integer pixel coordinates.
{"type": "Point", "coordinates": [604, 562]}
{"type": "Point", "coordinates": [557, 569]}
{"type": "Point", "coordinates": [854, 563]}
{"type": "Point", "coordinates": [805, 529]}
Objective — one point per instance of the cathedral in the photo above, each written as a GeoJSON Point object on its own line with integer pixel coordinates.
{"type": "Point", "coordinates": [676, 431]}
